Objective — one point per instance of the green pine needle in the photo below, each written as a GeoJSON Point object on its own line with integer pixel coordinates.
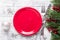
{"type": "Point", "coordinates": [54, 14]}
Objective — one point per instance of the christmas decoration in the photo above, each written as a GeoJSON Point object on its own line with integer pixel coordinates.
{"type": "Point", "coordinates": [53, 20]}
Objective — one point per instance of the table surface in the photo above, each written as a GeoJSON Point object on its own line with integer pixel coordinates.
{"type": "Point", "coordinates": [7, 10]}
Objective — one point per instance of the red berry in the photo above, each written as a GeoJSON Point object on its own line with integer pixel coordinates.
{"type": "Point", "coordinates": [56, 32]}
{"type": "Point", "coordinates": [52, 29]}
{"type": "Point", "coordinates": [53, 20]}
{"type": "Point", "coordinates": [48, 20]}
{"type": "Point", "coordinates": [56, 8]}
{"type": "Point", "coordinates": [49, 29]}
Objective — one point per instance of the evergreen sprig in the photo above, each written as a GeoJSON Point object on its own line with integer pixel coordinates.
{"type": "Point", "coordinates": [56, 2]}
{"type": "Point", "coordinates": [54, 14]}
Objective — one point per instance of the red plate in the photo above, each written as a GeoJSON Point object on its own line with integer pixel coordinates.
{"type": "Point", "coordinates": [27, 21]}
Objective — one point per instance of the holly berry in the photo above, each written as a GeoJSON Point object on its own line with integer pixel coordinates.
{"type": "Point", "coordinates": [56, 8]}
{"type": "Point", "coordinates": [49, 29]}
{"type": "Point", "coordinates": [55, 31]}
{"type": "Point", "coordinates": [52, 29]}
{"type": "Point", "coordinates": [50, 19]}
{"type": "Point", "coordinates": [53, 20]}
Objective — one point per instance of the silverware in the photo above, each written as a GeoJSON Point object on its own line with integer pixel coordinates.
{"type": "Point", "coordinates": [43, 9]}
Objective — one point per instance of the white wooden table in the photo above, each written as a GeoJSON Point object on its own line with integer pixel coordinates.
{"type": "Point", "coordinates": [7, 10]}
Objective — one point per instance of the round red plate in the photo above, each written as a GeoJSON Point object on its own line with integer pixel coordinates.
{"type": "Point", "coordinates": [27, 21]}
